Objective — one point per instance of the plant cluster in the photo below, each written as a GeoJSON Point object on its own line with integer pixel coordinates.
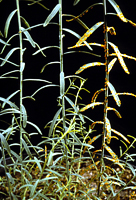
{"type": "Point", "coordinates": [65, 170]}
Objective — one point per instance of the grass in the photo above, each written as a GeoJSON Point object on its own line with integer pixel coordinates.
{"type": "Point", "coordinates": [73, 167]}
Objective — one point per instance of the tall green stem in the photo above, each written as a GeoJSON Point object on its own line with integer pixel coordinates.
{"type": "Point", "coordinates": [106, 55]}
{"type": "Point", "coordinates": [21, 73]}
{"type": "Point", "coordinates": [62, 88]}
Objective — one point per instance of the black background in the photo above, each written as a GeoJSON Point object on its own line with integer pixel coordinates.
{"type": "Point", "coordinates": [43, 109]}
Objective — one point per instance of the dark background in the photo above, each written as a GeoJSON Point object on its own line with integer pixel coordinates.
{"type": "Point", "coordinates": [44, 108]}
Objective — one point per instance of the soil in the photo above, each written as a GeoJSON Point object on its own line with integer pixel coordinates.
{"type": "Point", "coordinates": [91, 181]}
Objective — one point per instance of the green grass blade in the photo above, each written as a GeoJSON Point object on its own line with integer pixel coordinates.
{"type": "Point", "coordinates": [35, 126]}
{"type": "Point", "coordinates": [54, 121]}
{"type": "Point", "coordinates": [26, 148]}
{"type": "Point", "coordinates": [8, 98]}
{"type": "Point", "coordinates": [78, 36]}
{"type": "Point", "coordinates": [28, 36]}
{"type": "Point", "coordinates": [8, 55]}
{"type": "Point", "coordinates": [52, 14]}
{"type": "Point", "coordinates": [23, 20]}
{"type": "Point", "coordinates": [76, 2]}
{"type": "Point", "coordinates": [8, 102]}
{"type": "Point", "coordinates": [8, 23]}
{"type": "Point", "coordinates": [24, 113]}
{"type": "Point", "coordinates": [3, 140]}
{"type": "Point", "coordinates": [1, 41]}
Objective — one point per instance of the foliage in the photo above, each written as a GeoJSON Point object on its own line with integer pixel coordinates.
{"type": "Point", "coordinates": [57, 173]}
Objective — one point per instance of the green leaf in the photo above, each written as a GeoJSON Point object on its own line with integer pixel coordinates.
{"type": "Point", "coordinates": [42, 80]}
{"type": "Point", "coordinates": [33, 188]}
{"type": "Point", "coordinates": [35, 126]}
{"type": "Point", "coordinates": [52, 14]}
{"type": "Point", "coordinates": [38, 163]}
{"type": "Point", "coordinates": [4, 142]}
{"type": "Point", "coordinates": [22, 66]}
{"type": "Point", "coordinates": [23, 20]}
{"type": "Point", "coordinates": [8, 23]}
{"type": "Point", "coordinates": [26, 148]}
{"type": "Point", "coordinates": [54, 172]}
{"type": "Point", "coordinates": [43, 88]}
{"type": "Point", "coordinates": [75, 137]}
{"type": "Point", "coordinates": [118, 10]}
{"type": "Point", "coordinates": [41, 49]}
{"type": "Point", "coordinates": [24, 116]}
{"type": "Point", "coordinates": [28, 36]}
{"type": "Point", "coordinates": [1, 41]}
{"type": "Point", "coordinates": [50, 158]}
{"type": "Point", "coordinates": [76, 2]}
{"type": "Point", "coordinates": [78, 36]}
{"type": "Point", "coordinates": [114, 93]}
{"type": "Point", "coordinates": [50, 63]}
{"type": "Point", "coordinates": [8, 102]}
{"type": "Point", "coordinates": [8, 55]}
{"type": "Point", "coordinates": [9, 97]}
{"type": "Point", "coordinates": [54, 121]}
{"type": "Point", "coordinates": [62, 83]}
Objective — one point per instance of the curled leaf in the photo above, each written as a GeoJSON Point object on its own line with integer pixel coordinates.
{"type": "Point", "coordinates": [8, 22]}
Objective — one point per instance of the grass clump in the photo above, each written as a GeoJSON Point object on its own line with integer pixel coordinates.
{"type": "Point", "coordinates": [66, 163]}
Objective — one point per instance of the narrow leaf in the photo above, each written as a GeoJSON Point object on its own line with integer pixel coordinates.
{"type": "Point", "coordinates": [88, 33]}
{"type": "Point", "coordinates": [89, 65]}
{"type": "Point", "coordinates": [76, 2]}
{"type": "Point", "coordinates": [8, 98]}
{"type": "Point", "coordinates": [35, 126]}
{"type": "Point", "coordinates": [118, 10]}
{"type": "Point", "coordinates": [116, 112]}
{"type": "Point", "coordinates": [26, 148]}
{"type": "Point", "coordinates": [8, 55]}
{"type": "Point", "coordinates": [50, 63]}
{"type": "Point", "coordinates": [108, 130]}
{"type": "Point", "coordinates": [119, 134]}
{"type": "Point", "coordinates": [52, 14]}
{"type": "Point", "coordinates": [62, 84]}
{"type": "Point", "coordinates": [54, 121]}
{"type": "Point", "coordinates": [22, 66]}
{"type": "Point", "coordinates": [8, 23]}
{"type": "Point", "coordinates": [111, 64]}
{"type": "Point", "coordinates": [1, 41]}
{"type": "Point", "coordinates": [41, 49]}
{"type": "Point", "coordinates": [90, 105]}
{"type": "Point", "coordinates": [28, 36]}
{"type": "Point", "coordinates": [120, 58]}
{"type": "Point", "coordinates": [75, 108]}
{"type": "Point", "coordinates": [8, 102]}
{"type": "Point", "coordinates": [4, 142]}
{"type": "Point", "coordinates": [78, 36]}
{"type": "Point", "coordinates": [114, 93]}
{"type": "Point", "coordinates": [23, 20]}
{"type": "Point", "coordinates": [24, 116]}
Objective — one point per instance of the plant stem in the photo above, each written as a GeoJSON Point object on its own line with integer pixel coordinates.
{"type": "Point", "coordinates": [106, 55]}
{"type": "Point", "coordinates": [62, 90]}
{"type": "Point", "coordinates": [21, 75]}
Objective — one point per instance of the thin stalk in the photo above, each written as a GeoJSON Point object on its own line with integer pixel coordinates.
{"type": "Point", "coordinates": [63, 90]}
{"type": "Point", "coordinates": [21, 75]}
{"type": "Point", "coordinates": [106, 52]}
